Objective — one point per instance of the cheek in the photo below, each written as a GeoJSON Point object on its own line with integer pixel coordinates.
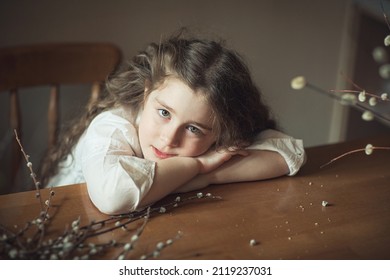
{"type": "Point", "coordinates": [145, 130]}
{"type": "Point", "coordinates": [196, 149]}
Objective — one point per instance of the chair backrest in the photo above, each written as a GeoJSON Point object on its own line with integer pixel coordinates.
{"type": "Point", "coordinates": [52, 65]}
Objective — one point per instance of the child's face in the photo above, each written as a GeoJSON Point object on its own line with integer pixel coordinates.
{"type": "Point", "coordinates": [176, 121]}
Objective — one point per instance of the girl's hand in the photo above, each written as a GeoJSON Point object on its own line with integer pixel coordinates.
{"type": "Point", "coordinates": [210, 163]}
{"type": "Point", "coordinates": [213, 159]}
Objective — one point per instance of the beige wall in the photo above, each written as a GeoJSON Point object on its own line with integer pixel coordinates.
{"type": "Point", "coordinates": [279, 40]}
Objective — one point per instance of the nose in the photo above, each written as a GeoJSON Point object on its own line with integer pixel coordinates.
{"type": "Point", "coordinates": [170, 135]}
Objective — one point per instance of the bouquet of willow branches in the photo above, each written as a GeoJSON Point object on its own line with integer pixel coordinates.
{"type": "Point", "coordinates": [353, 98]}
{"type": "Point", "coordinates": [358, 97]}
{"type": "Point", "coordinates": [33, 242]}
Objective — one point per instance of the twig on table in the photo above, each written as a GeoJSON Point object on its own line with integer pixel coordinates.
{"type": "Point", "coordinates": [368, 150]}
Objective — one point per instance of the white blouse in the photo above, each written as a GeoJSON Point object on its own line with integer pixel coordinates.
{"type": "Point", "coordinates": [108, 158]}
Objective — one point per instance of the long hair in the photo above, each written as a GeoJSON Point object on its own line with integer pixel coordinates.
{"type": "Point", "coordinates": [205, 65]}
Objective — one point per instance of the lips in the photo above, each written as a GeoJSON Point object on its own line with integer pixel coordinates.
{"type": "Point", "coordinates": [160, 154]}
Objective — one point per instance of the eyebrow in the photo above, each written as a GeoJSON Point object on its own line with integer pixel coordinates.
{"type": "Point", "coordinates": [203, 126]}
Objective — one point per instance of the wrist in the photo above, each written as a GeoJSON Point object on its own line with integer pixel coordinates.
{"type": "Point", "coordinates": [210, 178]}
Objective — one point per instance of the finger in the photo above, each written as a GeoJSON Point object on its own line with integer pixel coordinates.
{"type": "Point", "coordinates": [243, 153]}
{"type": "Point", "coordinates": [236, 151]}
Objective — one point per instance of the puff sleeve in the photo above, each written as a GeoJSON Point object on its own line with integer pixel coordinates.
{"type": "Point", "coordinates": [117, 177]}
{"type": "Point", "coordinates": [289, 148]}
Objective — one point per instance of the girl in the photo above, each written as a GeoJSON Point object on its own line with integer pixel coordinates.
{"type": "Point", "coordinates": [182, 115]}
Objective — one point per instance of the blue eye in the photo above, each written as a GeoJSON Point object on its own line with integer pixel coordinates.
{"type": "Point", "coordinates": [164, 113]}
{"type": "Point", "coordinates": [194, 130]}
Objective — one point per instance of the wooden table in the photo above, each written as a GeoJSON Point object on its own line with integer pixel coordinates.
{"type": "Point", "coordinates": [285, 215]}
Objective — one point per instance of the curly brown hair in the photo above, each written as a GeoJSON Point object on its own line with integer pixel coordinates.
{"type": "Point", "coordinates": [206, 65]}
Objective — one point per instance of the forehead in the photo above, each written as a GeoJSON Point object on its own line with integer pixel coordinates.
{"type": "Point", "coordinates": [176, 96]}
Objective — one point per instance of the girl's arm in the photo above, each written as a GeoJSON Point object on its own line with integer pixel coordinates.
{"type": "Point", "coordinates": [272, 154]}
{"type": "Point", "coordinates": [257, 165]}
{"type": "Point", "coordinates": [174, 172]}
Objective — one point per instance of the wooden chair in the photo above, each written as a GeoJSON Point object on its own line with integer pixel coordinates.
{"type": "Point", "coordinates": [52, 65]}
